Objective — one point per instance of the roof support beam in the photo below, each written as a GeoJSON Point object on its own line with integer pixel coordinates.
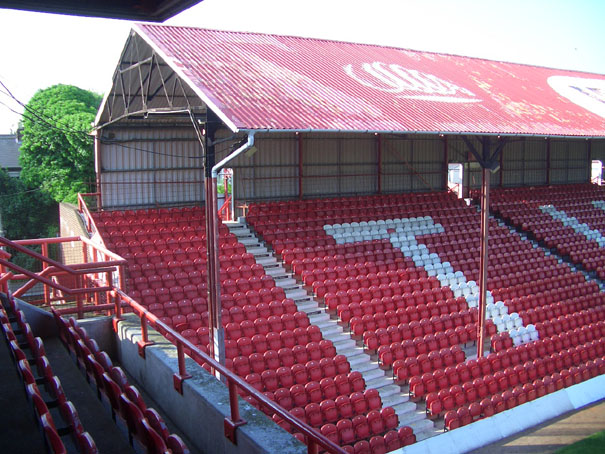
{"type": "Point", "coordinates": [490, 162]}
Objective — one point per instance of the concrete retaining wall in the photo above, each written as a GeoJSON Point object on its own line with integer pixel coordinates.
{"type": "Point", "coordinates": [201, 409]}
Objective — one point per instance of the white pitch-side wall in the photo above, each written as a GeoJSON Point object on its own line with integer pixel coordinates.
{"type": "Point", "coordinates": [150, 166]}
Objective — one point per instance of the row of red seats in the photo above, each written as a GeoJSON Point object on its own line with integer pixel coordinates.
{"type": "Point", "coordinates": [437, 200]}
{"type": "Point", "coordinates": [428, 343]}
{"type": "Point", "coordinates": [172, 213]}
{"type": "Point", "coordinates": [422, 304]}
{"type": "Point", "coordinates": [374, 289]}
{"type": "Point", "coordinates": [557, 294]}
{"type": "Point", "coordinates": [556, 310]}
{"type": "Point", "coordinates": [542, 357]}
{"type": "Point", "coordinates": [20, 339]}
{"type": "Point", "coordinates": [145, 427]}
{"type": "Point", "coordinates": [347, 402]}
{"type": "Point", "coordinates": [535, 287]}
{"type": "Point", "coordinates": [418, 329]}
{"type": "Point", "coordinates": [477, 387]}
{"type": "Point", "coordinates": [351, 259]}
{"type": "Point", "coordinates": [273, 324]}
{"type": "Point", "coordinates": [390, 272]}
{"type": "Point", "coordinates": [260, 343]}
{"type": "Point", "coordinates": [406, 323]}
{"type": "Point", "coordinates": [160, 268]}
{"type": "Point", "coordinates": [285, 357]}
{"type": "Point", "coordinates": [285, 377]}
{"type": "Point", "coordinates": [570, 321]}
{"type": "Point", "coordinates": [118, 234]}
{"type": "Point", "coordinates": [518, 395]}
{"type": "Point", "coordinates": [370, 249]}
{"type": "Point", "coordinates": [403, 369]}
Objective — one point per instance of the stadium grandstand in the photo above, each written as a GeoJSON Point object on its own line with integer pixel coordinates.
{"type": "Point", "coordinates": [298, 245]}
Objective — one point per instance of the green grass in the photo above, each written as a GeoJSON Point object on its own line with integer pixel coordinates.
{"type": "Point", "coordinates": [595, 444]}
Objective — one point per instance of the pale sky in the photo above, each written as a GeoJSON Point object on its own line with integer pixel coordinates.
{"type": "Point", "coordinates": [39, 50]}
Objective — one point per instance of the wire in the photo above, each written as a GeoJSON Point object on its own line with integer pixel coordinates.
{"type": "Point", "coordinates": [22, 192]}
{"type": "Point", "coordinates": [45, 119]}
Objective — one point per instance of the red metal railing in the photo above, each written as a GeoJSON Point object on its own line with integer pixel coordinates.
{"type": "Point", "coordinates": [83, 208]}
{"type": "Point", "coordinates": [92, 278]}
{"type": "Point", "coordinates": [101, 281]}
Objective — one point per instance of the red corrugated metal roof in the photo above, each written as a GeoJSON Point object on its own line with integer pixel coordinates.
{"type": "Point", "coordinates": [259, 81]}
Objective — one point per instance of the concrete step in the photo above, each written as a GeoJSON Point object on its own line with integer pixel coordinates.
{"type": "Point", "coordinates": [288, 283]}
{"type": "Point", "coordinates": [365, 366]}
{"type": "Point", "coordinates": [241, 231]}
{"type": "Point", "coordinates": [340, 341]}
{"type": "Point", "coordinates": [423, 429]}
{"type": "Point", "coordinates": [395, 399]}
{"type": "Point", "coordinates": [356, 356]}
{"type": "Point", "coordinates": [259, 251]}
{"type": "Point", "coordinates": [296, 293]}
{"type": "Point", "coordinates": [264, 257]}
{"type": "Point", "coordinates": [249, 241]}
{"type": "Point", "coordinates": [406, 411]}
{"type": "Point", "coordinates": [308, 306]}
{"type": "Point", "coordinates": [391, 391]}
{"type": "Point", "coordinates": [412, 415]}
{"type": "Point", "coordinates": [373, 374]}
{"type": "Point", "coordinates": [317, 319]}
{"type": "Point", "coordinates": [275, 271]}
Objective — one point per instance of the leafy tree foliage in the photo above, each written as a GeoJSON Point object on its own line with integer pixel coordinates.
{"type": "Point", "coordinates": [56, 151]}
{"type": "Point", "coordinates": [25, 213]}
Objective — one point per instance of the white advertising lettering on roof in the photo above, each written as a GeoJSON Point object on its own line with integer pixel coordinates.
{"type": "Point", "coordinates": [408, 83]}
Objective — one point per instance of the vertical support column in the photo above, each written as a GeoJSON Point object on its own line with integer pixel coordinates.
{"type": "Point", "coordinates": [216, 331]}
{"type": "Point", "coordinates": [483, 261]}
{"type": "Point", "coordinates": [379, 163]}
{"type": "Point", "coordinates": [446, 161]}
{"type": "Point", "coordinates": [300, 164]}
{"type": "Point", "coordinates": [548, 161]}
{"type": "Point", "coordinates": [97, 151]}
{"type": "Point", "coordinates": [589, 151]}
{"type": "Point", "coordinates": [501, 171]}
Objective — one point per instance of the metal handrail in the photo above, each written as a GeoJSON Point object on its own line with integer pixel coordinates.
{"type": "Point", "coordinates": [314, 439]}
{"type": "Point", "coordinates": [91, 226]}
{"type": "Point", "coordinates": [233, 381]}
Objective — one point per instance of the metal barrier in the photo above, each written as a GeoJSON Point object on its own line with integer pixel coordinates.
{"type": "Point", "coordinates": [100, 280]}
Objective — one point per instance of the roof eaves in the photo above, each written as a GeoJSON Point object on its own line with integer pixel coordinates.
{"type": "Point", "coordinates": [402, 132]}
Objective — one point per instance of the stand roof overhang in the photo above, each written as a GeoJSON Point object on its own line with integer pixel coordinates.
{"type": "Point", "coordinates": [148, 10]}
{"type": "Point", "coordinates": [281, 83]}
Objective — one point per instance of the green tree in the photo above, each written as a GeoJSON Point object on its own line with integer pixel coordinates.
{"type": "Point", "coordinates": [56, 151]}
{"type": "Point", "coordinates": [25, 213]}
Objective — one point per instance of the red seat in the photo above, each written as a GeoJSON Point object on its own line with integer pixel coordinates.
{"type": "Point", "coordinates": [329, 410]}
{"type": "Point", "coordinates": [362, 429]}
{"type": "Point", "coordinates": [313, 414]}
{"type": "Point", "coordinates": [451, 420]}
{"type": "Point", "coordinates": [345, 430]}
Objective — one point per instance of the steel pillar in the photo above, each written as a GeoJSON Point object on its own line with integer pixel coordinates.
{"type": "Point", "coordinates": [216, 331]}
{"type": "Point", "coordinates": [300, 165]}
{"type": "Point", "coordinates": [483, 260]}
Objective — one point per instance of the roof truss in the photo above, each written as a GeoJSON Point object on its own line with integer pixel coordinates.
{"type": "Point", "coordinates": [144, 84]}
